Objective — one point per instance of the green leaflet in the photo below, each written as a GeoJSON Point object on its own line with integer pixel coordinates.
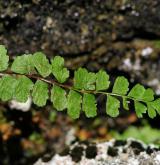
{"type": "Point", "coordinates": [80, 78]}
{"type": "Point", "coordinates": [125, 103]}
{"type": "Point", "coordinates": [156, 105]}
{"type": "Point", "coordinates": [112, 106]}
{"type": "Point", "coordinates": [74, 104]}
{"type": "Point", "coordinates": [151, 111]}
{"type": "Point", "coordinates": [41, 63]}
{"type": "Point", "coordinates": [84, 79]}
{"type": "Point", "coordinates": [58, 98]}
{"type": "Point", "coordinates": [121, 86]}
{"type": "Point", "coordinates": [23, 64]}
{"type": "Point", "coordinates": [59, 71]}
{"type": "Point", "coordinates": [89, 105]}
{"type": "Point", "coordinates": [90, 81]}
{"type": "Point", "coordinates": [40, 93]}
{"type": "Point", "coordinates": [4, 58]}
{"type": "Point", "coordinates": [23, 88]}
{"type": "Point", "coordinates": [102, 80]}
{"type": "Point", "coordinates": [140, 109]}
{"type": "Point", "coordinates": [139, 92]}
{"type": "Point", "coordinates": [148, 95]}
{"type": "Point", "coordinates": [7, 87]}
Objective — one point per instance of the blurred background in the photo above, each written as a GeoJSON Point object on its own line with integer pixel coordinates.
{"type": "Point", "coordinates": [119, 36]}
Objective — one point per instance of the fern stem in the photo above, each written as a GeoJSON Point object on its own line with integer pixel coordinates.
{"type": "Point", "coordinates": [108, 93]}
{"type": "Point", "coordinates": [65, 86]}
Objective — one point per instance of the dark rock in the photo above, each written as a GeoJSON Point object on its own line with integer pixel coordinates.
{"type": "Point", "coordinates": [91, 152]}
{"type": "Point", "coordinates": [48, 157]}
{"type": "Point", "coordinates": [149, 150]}
{"type": "Point", "coordinates": [124, 150]}
{"type": "Point", "coordinates": [75, 27]}
{"type": "Point", "coordinates": [65, 152]}
{"type": "Point", "coordinates": [137, 151]}
{"type": "Point", "coordinates": [76, 153]}
{"type": "Point", "coordinates": [120, 143]}
{"type": "Point", "coordinates": [137, 147]}
{"type": "Point", "coordinates": [112, 151]}
{"type": "Point", "coordinates": [85, 142]}
{"type": "Point", "coordinates": [156, 149]}
{"type": "Point", "coordinates": [113, 156]}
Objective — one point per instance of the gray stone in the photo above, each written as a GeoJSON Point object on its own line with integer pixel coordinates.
{"type": "Point", "coordinates": [126, 154]}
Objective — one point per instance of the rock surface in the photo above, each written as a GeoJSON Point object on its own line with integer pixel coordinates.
{"type": "Point", "coordinates": [69, 27]}
{"type": "Point", "coordinates": [130, 152]}
{"type": "Point", "coordinates": [109, 34]}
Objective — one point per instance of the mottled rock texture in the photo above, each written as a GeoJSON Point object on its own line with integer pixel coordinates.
{"type": "Point", "coordinates": [70, 27]}
{"type": "Point", "coordinates": [130, 152]}
{"type": "Point", "coordinates": [109, 34]}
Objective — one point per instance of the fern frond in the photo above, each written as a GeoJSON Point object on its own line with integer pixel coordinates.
{"type": "Point", "coordinates": [16, 82]}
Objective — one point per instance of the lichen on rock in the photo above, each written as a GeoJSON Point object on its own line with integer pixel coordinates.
{"type": "Point", "coordinates": [130, 152]}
